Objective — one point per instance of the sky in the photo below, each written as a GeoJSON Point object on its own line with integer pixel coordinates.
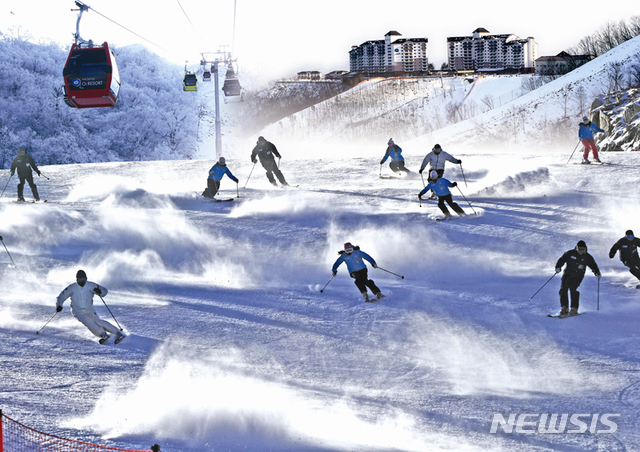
{"type": "Point", "coordinates": [281, 37]}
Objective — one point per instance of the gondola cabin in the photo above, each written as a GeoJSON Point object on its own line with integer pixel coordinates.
{"type": "Point", "coordinates": [91, 77]}
{"type": "Point", "coordinates": [190, 82]}
{"type": "Point", "coordinates": [206, 76]}
{"type": "Point", "coordinates": [231, 86]}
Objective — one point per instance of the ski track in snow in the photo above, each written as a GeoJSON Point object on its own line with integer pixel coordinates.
{"type": "Point", "coordinates": [232, 346]}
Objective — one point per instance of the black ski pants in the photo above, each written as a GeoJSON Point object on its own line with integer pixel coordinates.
{"type": "Point", "coordinates": [272, 168]}
{"type": "Point", "coordinates": [448, 198]}
{"type": "Point", "coordinates": [570, 284]}
{"type": "Point", "coordinates": [362, 281]}
{"type": "Point", "coordinates": [398, 166]}
{"type": "Point", "coordinates": [28, 176]}
{"type": "Point", "coordinates": [634, 267]}
{"type": "Point", "coordinates": [213, 186]}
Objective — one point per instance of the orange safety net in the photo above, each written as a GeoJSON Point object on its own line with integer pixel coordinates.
{"type": "Point", "coordinates": [16, 437]}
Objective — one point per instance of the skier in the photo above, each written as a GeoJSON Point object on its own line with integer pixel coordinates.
{"type": "Point", "coordinates": [266, 152]}
{"type": "Point", "coordinates": [24, 164]}
{"type": "Point", "coordinates": [436, 159]}
{"type": "Point", "coordinates": [358, 269]}
{"type": "Point", "coordinates": [440, 187]}
{"type": "Point", "coordinates": [397, 160]}
{"type": "Point", "coordinates": [628, 247]}
{"type": "Point", "coordinates": [577, 261]}
{"type": "Point", "coordinates": [587, 129]}
{"type": "Point", "coordinates": [81, 293]}
{"type": "Point", "coordinates": [216, 173]}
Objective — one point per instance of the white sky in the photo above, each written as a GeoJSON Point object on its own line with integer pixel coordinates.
{"type": "Point", "coordinates": [281, 37]}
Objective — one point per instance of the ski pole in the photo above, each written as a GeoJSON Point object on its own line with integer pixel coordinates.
{"type": "Point", "coordinates": [325, 286]}
{"type": "Point", "coordinates": [574, 150]}
{"type": "Point", "coordinates": [114, 317]}
{"type": "Point", "coordinates": [5, 247]}
{"type": "Point", "coordinates": [598, 297]}
{"type": "Point", "coordinates": [54, 314]}
{"type": "Point", "coordinates": [531, 298]}
{"type": "Point", "coordinates": [5, 187]}
{"type": "Point", "coordinates": [251, 172]}
{"type": "Point", "coordinates": [474, 211]}
{"type": "Point", "coordinates": [279, 162]}
{"type": "Point", "coordinates": [422, 177]}
{"type": "Point", "coordinates": [238, 189]}
{"type": "Point", "coordinates": [462, 171]}
{"type": "Point", "coordinates": [381, 170]}
{"type": "Point", "coordinates": [399, 276]}
{"type": "Point", "coordinates": [420, 200]}
{"type": "Point", "coordinates": [41, 174]}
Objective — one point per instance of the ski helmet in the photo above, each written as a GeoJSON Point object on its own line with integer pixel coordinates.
{"type": "Point", "coordinates": [390, 143]}
{"type": "Point", "coordinates": [433, 174]}
{"type": "Point", "coordinates": [81, 278]}
{"type": "Point", "coordinates": [22, 151]}
{"type": "Point", "coordinates": [261, 139]}
{"type": "Point", "coordinates": [585, 119]}
{"type": "Point", "coordinates": [222, 161]}
{"type": "Point", "coordinates": [348, 248]}
{"type": "Point", "coordinates": [437, 149]}
{"type": "Point", "coordinates": [629, 234]}
{"type": "Point", "coordinates": [581, 247]}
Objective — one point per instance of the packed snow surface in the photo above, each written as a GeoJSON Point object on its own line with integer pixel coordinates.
{"type": "Point", "coordinates": [232, 346]}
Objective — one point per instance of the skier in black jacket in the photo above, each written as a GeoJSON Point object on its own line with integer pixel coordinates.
{"type": "Point", "coordinates": [628, 247]}
{"type": "Point", "coordinates": [25, 164]}
{"type": "Point", "coordinates": [267, 152]}
{"type": "Point", "coordinates": [577, 261]}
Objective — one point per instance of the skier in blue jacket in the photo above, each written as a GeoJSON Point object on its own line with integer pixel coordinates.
{"type": "Point", "coordinates": [587, 129]}
{"type": "Point", "coordinates": [440, 187]}
{"type": "Point", "coordinates": [216, 174]}
{"type": "Point", "coordinates": [353, 257]}
{"type": "Point", "coordinates": [397, 160]}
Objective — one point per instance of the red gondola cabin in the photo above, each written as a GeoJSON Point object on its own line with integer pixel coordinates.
{"type": "Point", "coordinates": [91, 77]}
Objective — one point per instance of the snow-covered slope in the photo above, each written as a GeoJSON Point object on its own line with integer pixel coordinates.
{"type": "Point", "coordinates": [232, 346]}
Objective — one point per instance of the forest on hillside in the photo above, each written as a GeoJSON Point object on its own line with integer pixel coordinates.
{"type": "Point", "coordinates": [153, 118]}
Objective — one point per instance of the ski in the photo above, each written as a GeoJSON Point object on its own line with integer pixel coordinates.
{"type": "Point", "coordinates": [103, 340]}
{"type": "Point", "coordinates": [222, 200]}
{"type": "Point", "coordinates": [119, 339]}
{"type": "Point", "coordinates": [564, 316]}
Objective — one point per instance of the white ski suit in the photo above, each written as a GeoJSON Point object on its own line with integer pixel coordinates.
{"type": "Point", "coordinates": [82, 307]}
{"type": "Point", "coordinates": [436, 161]}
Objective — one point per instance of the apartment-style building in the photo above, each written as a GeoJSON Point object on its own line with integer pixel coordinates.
{"type": "Point", "coordinates": [393, 54]}
{"type": "Point", "coordinates": [483, 51]}
{"type": "Point", "coordinates": [560, 64]}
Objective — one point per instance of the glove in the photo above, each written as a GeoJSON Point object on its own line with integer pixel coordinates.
{"type": "Point", "coordinates": [0, 238]}
{"type": "Point", "coordinates": [97, 291]}
{"type": "Point", "coordinates": [12, 172]}
{"type": "Point", "coordinates": [254, 161]}
{"type": "Point", "coordinates": [459, 162]}
{"type": "Point", "coordinates": [374, 265]}
{"type": "Point", "coordinates": [335, 272]}
{"type": "Point", "coordinates": [420, 171]}
{"type": "Point", "coordinates": [419, 195]}
{"type": "Point", "coordinates": [381, 162]}
{"type": "Point", "coordinates": [58, 308]}
{"type": "Point", "coordinates": [598, 275]}
{"type": "Point", "coordinates": [558, 270]}
{"type": "Point", "coordinates": [237, 181]}
{"type": "Point", "coordinates": [38, 173]}
{"type": "Point", "coordinates": [610, 254]}
{"type": "Point", "coordinates": [454, 184]}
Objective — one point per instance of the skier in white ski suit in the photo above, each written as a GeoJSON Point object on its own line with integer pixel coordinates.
{"type": "Point", "coordinates": [81, 293]}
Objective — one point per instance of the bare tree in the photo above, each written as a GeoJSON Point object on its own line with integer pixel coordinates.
{"type": "Point", "coordinates": [615, 76]}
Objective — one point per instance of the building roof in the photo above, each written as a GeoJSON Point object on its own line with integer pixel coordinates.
{"type": "Point", "coordinates": [480, 30]}
{"type": "Point", "coordinates": [393, 33]}
{"type": "Point", "coordinates": [401, 41]}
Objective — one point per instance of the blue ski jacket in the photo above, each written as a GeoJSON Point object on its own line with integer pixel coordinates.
{"type": "Point", "coordinates": [217, 171]}
{"type": "Point", "coordinates": [395, 152]}
{"type": "Point", "coordinates": [587, 130]}
{"type": "Point", "coordinates": [354, 260]}
{"type": "Point", "coordinates": [439, 187]}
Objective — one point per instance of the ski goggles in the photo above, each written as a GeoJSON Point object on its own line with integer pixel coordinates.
{"type": "Point", "coordinates": [581, 250]}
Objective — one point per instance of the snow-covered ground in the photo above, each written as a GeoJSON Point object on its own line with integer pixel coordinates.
{"type": "Point", "coordinates": [231, 345]}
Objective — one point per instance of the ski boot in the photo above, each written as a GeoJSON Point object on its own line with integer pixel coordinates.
{"type": "Point", "coordinates": [564, 310]}
{"type": "Point", "coordinates": [119, 337]}
{"type": "Point", "coordinates": [597, 160]}
{"type": "Point", "coordinates": [574, 311]}
{"type": "Point", "coordinates": [586, 162]}
{"type": "Point", "coordinates": [365, 295]}
{"type": "Point", "coordinates": [104, 337]}
{"type": "Point", "coordinates": [447, 216]}
{"type": "Point", "coordinates": [379, 295]}
{"type": "Point", "coordinates": [21, 199]}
